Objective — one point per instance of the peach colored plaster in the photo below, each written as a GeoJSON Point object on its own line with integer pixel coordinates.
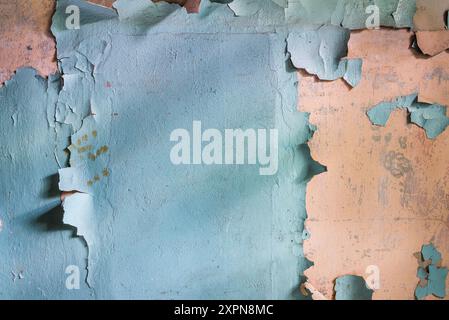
{"type": "Point", "coordinates": [430, 23]}
{"type": "Point", "coordinates": [25, 37]}
{"type": "Point", "coordinates": [360, 212]}
{"type": "Point", "coordinates": [433, 42]}
{"type": "Point", "coordinates": [430, 15]}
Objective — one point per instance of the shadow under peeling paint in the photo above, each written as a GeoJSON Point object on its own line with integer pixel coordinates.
{"type": "Point", "coordinates": [28, 200]}
{"type": "Point", "coordinates": [51, 189]}
{"type": "Point", "coordinates": [52, 220]}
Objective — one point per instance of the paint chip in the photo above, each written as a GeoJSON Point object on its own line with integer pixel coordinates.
{"type": "Point", "coordinates": [352, 287]}
{"type": "Point", "coordinates": [431, 117]}
{"type": "Point", "coordinates": [432, 277]}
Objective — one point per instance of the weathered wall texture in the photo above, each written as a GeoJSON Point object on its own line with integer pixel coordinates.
{"type": "Point", "coordinates": [26, 40]}
{"type": "Point", "coordinates": [25, 36]}
{"type": "Point", "coordinates": [149, 229]}
{"type": "Point", "coordinates": [385, 192]}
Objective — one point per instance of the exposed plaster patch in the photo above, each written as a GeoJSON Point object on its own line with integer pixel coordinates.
{"type": "Point", "coordinates": [25, 37]}
{"type": "Point", "coordinates": [430, 15]}
{"type": "Point", "coordinates": [432, 42]}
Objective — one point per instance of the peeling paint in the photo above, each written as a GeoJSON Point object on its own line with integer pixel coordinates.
{"type": "Point", "coordinates": [103, 126]}
{"type": "Point", "coordinates": [321, 52]}
{"type": "Point", "coordinates": [107, 110]}
{"type": "Point", "coordinates": [360, 214]}
{"type": "Point", "coordinates": [350, 14]}
{"type": "Point", "coordinates": [29, 197]}
{"type": "Point", "coordinates": [352, 288]}
{"type": "Point", "coordinates": [431, 117]}
{"type": "Point", "coordinates": [432, 276]}
{"type": "Point", "coordinates": [79, 211]}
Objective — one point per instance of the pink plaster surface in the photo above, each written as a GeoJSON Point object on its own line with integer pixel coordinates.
{"type": "Point", "coordinates": [25, 37]}
{"type": "Point", "coordinates": [360, 212]}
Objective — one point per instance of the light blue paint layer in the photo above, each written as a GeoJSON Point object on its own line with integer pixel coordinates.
{"type": "Point", "coordinates": [431, 117]}
{"type": "Point", "coordinates": [432, 277]}
{"type": "Point", "coordinates": [351, 14]}
{"type": "Point", "coordinates": [165, 231]}
{"type": "Point", "coordinates": [352, 288]}
{"type": "Point", "coordinates": [147, 228]}
{"type": "Point", "coordinates": [353, 74]}
{"type": "Point", "coordinates": [321, 52]}
{"type": "Point", "coordinates": [35, 248]}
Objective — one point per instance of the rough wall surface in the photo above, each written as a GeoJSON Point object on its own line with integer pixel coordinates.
{"type": "Point", "coordinates": [97, 123]}
{"type": "Point", "coordinates": [385, 192]}
{"type": "Point", "coordinates": [25, 36]}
